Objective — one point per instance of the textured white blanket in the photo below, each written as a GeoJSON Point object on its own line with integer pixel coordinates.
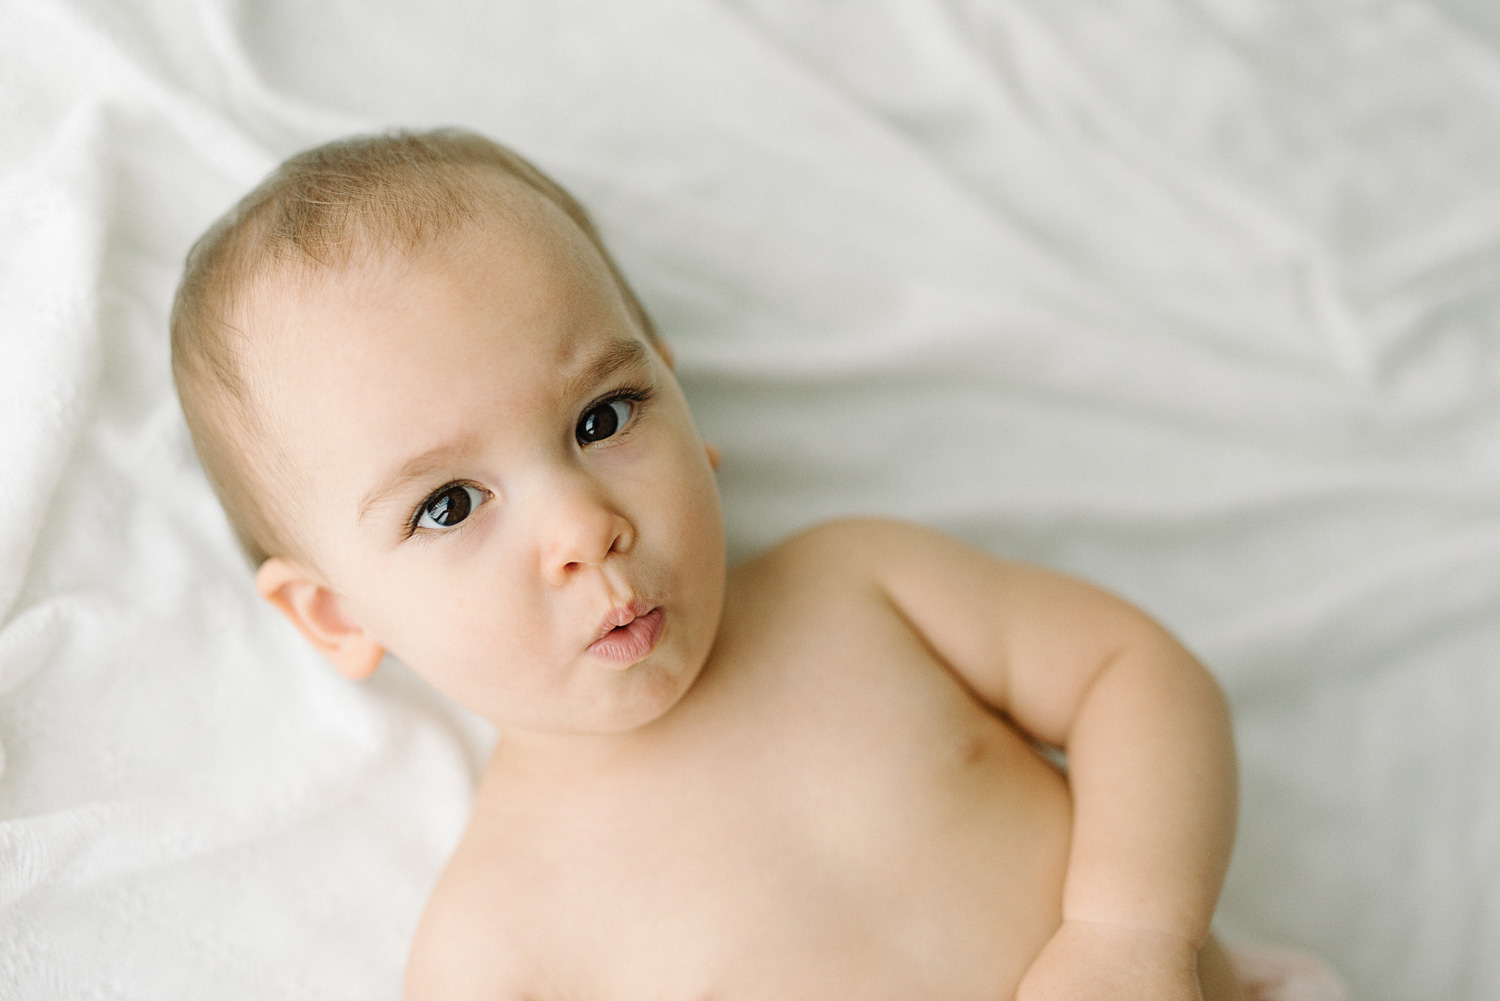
{"type": "Point", "coordinates": [1199, 299]}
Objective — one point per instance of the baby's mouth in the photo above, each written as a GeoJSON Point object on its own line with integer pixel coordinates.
{"type": "Point", "coordinates": [628, 634]}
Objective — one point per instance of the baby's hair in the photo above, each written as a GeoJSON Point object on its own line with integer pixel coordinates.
{"type": "Point", "coordinates": [323, 209]}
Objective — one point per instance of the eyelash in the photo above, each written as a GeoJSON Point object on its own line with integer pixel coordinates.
{"type": "Point", "coordinates": [639, 395]}
{"type": "Point", "coordinates": [425, 502]}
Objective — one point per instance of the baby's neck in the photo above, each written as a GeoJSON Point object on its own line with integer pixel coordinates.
{"type": "Point", "coordinates": [557, 757]}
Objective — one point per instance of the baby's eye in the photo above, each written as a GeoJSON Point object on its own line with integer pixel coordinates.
{"type": "Point", "coordinates": [604, 419]}
{"type": "Point", "coordinates": [449, 506]}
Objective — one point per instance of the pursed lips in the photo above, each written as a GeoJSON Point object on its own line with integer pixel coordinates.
{"type": "Point", "coordinates": [628, 633]}
{"type": "Point", "coordinates": [621, 615]}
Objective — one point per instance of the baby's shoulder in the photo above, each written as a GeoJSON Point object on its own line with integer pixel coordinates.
{"type": "Point", "coordinates": [465, 945]}
{"type": "Point", "coordinates": [849, 550]}
{"type": "Point", "coordinates": [853, 542]}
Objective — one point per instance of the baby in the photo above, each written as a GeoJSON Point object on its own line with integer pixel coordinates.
{"type": "Point", "coordinates": [443, 426]}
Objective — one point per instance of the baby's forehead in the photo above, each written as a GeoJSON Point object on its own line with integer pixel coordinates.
{"type": "Point", "coordinates": [510, 219]}
{"type": "Point", "coordinates": [308, 322]}
{"type": "Point", "coordinates": [521, 232]}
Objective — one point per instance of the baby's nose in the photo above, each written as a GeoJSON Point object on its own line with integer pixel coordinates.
{"type": "Point", "coordinates": [584, 528]}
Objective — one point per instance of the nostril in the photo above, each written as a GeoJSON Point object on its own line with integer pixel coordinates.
{"type": "Point", "coordinates": [570, 567]}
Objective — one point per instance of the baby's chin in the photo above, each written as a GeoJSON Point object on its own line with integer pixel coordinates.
{"type": "Point", "coordinates": [642, 696]}
{"type": "Point", "coordinates": [656, 691]}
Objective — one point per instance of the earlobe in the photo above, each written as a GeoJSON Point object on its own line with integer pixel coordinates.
{"type": "Point", "coordinates": [319, 615]}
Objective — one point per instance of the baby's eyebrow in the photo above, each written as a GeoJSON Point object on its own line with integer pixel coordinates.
{"type": "Point", "coordinates": [415, 468]}
{"type": "Point", "coordinates": [617, 355]}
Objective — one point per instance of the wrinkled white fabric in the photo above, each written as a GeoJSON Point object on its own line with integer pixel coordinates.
{"type": "Point", "coordinates": [1197, 299]}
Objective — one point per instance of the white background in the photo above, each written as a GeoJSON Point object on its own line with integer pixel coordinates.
{"type": "Point", "coordinates": [1199, 300]}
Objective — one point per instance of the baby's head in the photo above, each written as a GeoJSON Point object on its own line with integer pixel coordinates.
{"type": "Point", "coordinates": [442, 425]}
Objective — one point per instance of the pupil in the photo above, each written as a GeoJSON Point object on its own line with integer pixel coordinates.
{"type": "Point", "coordinates": [598, 424]}
{"type": "Point", "coordinates": [451, 507]}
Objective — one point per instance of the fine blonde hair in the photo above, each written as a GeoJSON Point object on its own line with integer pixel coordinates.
{"type": "Point", "coordinates": [322, 209]}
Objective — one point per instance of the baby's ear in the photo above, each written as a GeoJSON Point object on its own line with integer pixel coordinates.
{"type": "Point", "coordinates": [319, 615]}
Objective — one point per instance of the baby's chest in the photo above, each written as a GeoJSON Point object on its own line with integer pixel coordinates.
{"type": "Point", "coordinates": [876, 836]}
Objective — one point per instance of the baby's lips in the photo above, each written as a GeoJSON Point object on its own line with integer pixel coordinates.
{"type": "Point", "coordinates": [621, 615]}
{"type": "Point", "coordinates": [631, 642]}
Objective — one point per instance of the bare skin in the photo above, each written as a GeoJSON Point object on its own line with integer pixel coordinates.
{"type": "Point", "coordinates": [828, 812]}
{"type": "Point", "coordinates": [813, 777]}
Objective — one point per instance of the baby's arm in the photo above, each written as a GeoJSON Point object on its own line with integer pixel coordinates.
{"type": "Point", "coordinates": [458, 953]}
{"type": "Point", "coordinates": [1150, 754]}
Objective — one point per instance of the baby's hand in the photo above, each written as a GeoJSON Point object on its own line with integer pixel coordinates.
{"type": "Point", "coordinates": [1095, 961]}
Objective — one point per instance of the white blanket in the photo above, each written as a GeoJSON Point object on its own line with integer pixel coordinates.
{"type": "Point", "coordinates": [1198, 299]}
